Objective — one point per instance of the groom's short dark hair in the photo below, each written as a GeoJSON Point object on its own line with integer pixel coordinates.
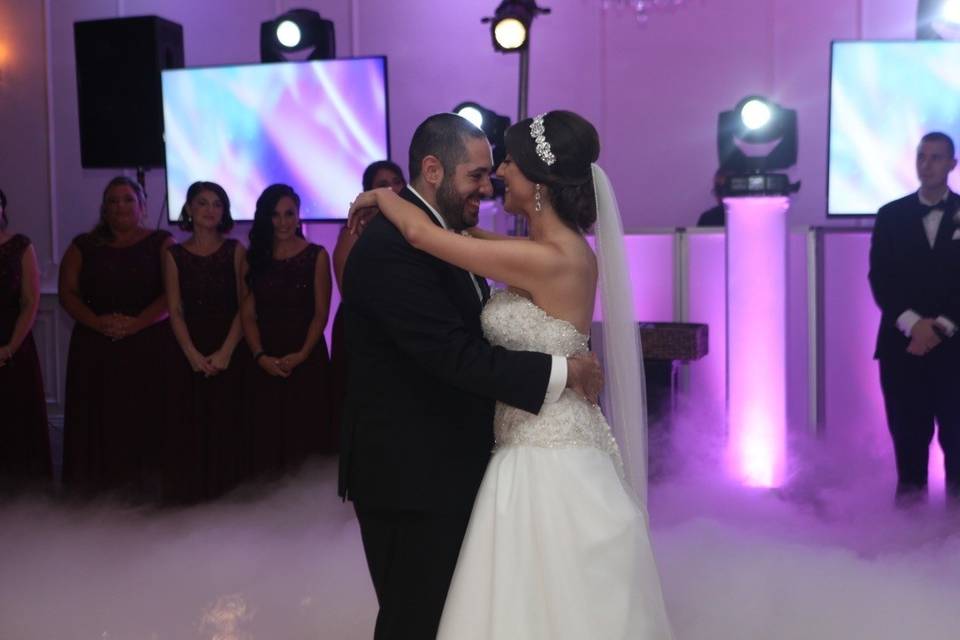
{"type": "Point", "coordinates": [442, 135]}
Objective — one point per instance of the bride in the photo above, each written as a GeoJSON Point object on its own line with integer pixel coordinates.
{"type": "Point", "coordinates": [558, 545]}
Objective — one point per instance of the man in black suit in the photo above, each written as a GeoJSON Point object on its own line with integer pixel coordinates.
{"type": "Point", "coordinates": [422, 383]}
{"type": "Point", "coordinates": [915, 278]}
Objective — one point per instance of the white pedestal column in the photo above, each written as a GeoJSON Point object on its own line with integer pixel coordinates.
{"type": "Point", "coordinates": [756, 338]}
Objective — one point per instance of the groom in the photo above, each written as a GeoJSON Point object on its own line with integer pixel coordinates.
{"type": "Point", "coordinates": [422, 382]}
{"type": "Point", "coordinates": [914, 260]}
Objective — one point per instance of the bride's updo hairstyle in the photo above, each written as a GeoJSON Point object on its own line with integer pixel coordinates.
{"type": "Point", "coordinates": [575, 145]}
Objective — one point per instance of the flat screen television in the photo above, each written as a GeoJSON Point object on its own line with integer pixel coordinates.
{"type": "Point", "coordinates": [314, 125]}
{"type": "Point", "coordinates": [883, 97]}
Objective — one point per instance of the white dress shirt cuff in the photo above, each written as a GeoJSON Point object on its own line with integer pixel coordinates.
{"type": "Point", "coordinates": [558, 379]}
{"type": "Point", "coordinates": [947, 325]}
{"type": "Point", "coordinates": [906, 321]}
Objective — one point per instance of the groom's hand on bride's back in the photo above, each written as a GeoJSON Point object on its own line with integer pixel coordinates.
{"type": "Point", "coordinates": [585, 376]}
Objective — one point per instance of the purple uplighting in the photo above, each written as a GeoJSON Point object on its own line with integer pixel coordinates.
{"type": "Point", "coordinates": [651, 263]}
{"type": "Point", "coordinates": [756, 338]}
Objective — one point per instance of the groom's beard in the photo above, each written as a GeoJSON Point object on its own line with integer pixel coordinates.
{"type": "Point", "coordinates": [452, 206]}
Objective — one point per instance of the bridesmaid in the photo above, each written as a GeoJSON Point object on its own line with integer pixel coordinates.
{"type": "Point", "coordinates": [111, 285]}
{"type": "Point", "coordinates": [382, 173]}
{"type": "Point", "coordinates": [202, 441]}
{"type": "Point", "coordinates": [283, 320]}
{"type": "Point", "coordinates": [25, 453]}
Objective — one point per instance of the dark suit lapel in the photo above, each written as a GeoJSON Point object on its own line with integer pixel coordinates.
{"type": "Point", "coordinates": [410, 197]}
{"type": "Point", "coordinates": [916, 230]}
{"type": "Point", "coordinates": [484, 287]}
{"type": "Point", "coordinates": [947, 225]}
{"type": "Point", "coordinates": [465, 276]}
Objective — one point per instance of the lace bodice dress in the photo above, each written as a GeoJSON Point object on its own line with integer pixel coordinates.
{"type": "Point", "coordinates": [556, 548]}
{"type": "Point", "coordinates": [516, 323]}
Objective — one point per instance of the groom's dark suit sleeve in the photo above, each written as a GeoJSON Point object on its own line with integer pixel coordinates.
{"type": "Point", "coordinates": [410, 299]}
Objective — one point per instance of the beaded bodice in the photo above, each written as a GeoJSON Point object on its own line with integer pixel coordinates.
{"type": "Point", "coordinates": [121, 279]}
{"type": "Point", "coordinates": [285, 303]}
{"type": "Point", "coordinates": [208, 285]}
{"type": "Point", "coordinates": [514, 322]}
{"type": "Point", "coordinates": [285, 288]}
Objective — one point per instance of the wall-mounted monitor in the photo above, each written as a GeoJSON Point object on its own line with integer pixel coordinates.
{"type": "Point", "coordinates": [883, 97]}
{"type": "Point", "coordinates": [314, 125]}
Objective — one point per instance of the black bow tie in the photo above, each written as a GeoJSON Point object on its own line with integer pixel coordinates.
{"type": "Point", "coordinates": [928, 208]}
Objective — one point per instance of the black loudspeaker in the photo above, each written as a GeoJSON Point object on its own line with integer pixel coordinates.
{"type": "Point", "coordinates": [118, 88]}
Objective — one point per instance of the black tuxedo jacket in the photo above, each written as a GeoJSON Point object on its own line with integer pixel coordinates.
{"type": "Point", "coordinates": [417, 430]}
{"type": "Point", "coordinates": [905, 273]}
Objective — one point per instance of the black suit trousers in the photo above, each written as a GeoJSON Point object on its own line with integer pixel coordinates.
{"type": "Point", "coordinates": [411, 556]}
{"type": "Point", "coordinates": [918, 391]}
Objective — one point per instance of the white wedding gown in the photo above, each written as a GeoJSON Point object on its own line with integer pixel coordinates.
{"type": "Point", "coordinates": [556, 547]}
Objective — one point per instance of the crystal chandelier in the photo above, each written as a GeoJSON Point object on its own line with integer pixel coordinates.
{"type": "Point", "coordinates": [643, 8]}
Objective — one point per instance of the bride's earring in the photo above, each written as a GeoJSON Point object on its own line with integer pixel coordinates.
{"type": "Point", "coordinates": [537, 200]}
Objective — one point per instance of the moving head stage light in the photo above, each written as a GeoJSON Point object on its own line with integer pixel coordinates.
{"type": "Point", "coordinates": [296, 31]}
{"type": "Point", "coordinates": [510, 24]}
{"type": "Point", "coordinates": [493, 124]}
{"type": "Point", "coordinates": [753, 139]}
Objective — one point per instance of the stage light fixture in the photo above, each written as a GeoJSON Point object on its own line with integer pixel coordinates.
{"type": "Point", "coordinates": [288, 33]}
{"type": "Point", "coordinates": [938, 20]}
{"type": "Point", "coordinates": [510, 24]}
{"type": "Point", "coordinates": [472, 114]}
{"type": "Point", "coordinates": [510, 34]}
{"type": "Point", "coordinates": [510, 31]}
{"type": "Point", "coordinates": [755, 114]}
{"type": "Point", "coordinates": [493, 125]}
{"type": "Point", "coordinates": [756, 137]}
{"type": "Point", "coordinates": [294, 33]}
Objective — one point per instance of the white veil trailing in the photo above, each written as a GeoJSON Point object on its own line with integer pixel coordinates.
{"type": "Point", "coordinates": [626, 406]}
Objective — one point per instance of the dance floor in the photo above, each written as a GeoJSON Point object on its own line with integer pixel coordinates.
{"type": "Point", "coordinates": [827, 557]}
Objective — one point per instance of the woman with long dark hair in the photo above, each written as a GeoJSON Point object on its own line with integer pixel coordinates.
{"type": "Point", "coordinates": [24, 438]}
{"type": "Point", "coordinates": [283, 320]}
{"type": "Point", "coordinates": [203, 450]}
{"type": "Point", "coordinates": [111, 284]}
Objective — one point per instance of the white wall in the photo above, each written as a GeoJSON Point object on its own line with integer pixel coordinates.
{"type": "Point", "coordinates": [24, 166]}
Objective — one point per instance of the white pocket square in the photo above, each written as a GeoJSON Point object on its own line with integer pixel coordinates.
{"type": "Point", "coordinates": [956, 235]}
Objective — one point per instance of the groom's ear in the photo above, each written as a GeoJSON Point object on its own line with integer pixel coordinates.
{"type": "Point", "coordinates": [432, 170]}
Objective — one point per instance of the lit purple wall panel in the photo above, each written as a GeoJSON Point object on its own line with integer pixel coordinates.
{"type": "Point", "coordinates": [707, 304]}
{"type": "Point", "coordinates": [853, 405]}
{"type": "Point", "coordinates": [651, 259]}
{"type": "Point", "coordinates": [854, 416]}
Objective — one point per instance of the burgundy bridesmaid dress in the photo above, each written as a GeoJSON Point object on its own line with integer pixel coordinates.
{"type": "Point", "coordinates": [25, 449]}
{"type": "Point", "coordinates": [206, 450]}
{"type": "Point", "coordinates": [289, 417]}
{"type": "Point", "coordinates": [115, 394]}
